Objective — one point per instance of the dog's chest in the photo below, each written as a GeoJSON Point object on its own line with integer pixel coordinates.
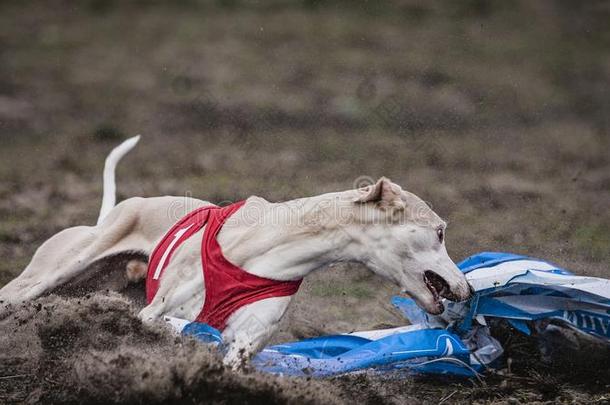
{"type": "Point", "coordinates": [183, 285]}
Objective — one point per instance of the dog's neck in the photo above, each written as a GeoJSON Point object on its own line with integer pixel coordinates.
{"type": "Point", "coordinates": [287, 241]}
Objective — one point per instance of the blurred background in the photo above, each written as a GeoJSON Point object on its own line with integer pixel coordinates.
{"type": "Point", "coordinates": [495, 112]}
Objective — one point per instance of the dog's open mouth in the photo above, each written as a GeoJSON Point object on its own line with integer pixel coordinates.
{"type": "Point", "coordinates": [439, 288]}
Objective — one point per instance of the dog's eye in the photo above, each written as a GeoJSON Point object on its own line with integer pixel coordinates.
{"type": "Point", "coordinates": [441, 234]}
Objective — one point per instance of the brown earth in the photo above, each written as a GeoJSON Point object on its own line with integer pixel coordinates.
{"type": "Point", "coordinates": [496, 113]}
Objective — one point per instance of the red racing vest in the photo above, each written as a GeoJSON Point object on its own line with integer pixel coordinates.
{"type": "Point", "coordinates": [227, 287]}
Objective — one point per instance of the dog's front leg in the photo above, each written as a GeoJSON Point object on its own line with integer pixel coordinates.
{"type": "Point", "coordinates": [249, 329]}
{"type": "Point", "coordinates": [243, 346]}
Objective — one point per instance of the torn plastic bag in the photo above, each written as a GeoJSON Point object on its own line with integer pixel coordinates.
{"type": "Point", "coordinates": [330, 355]}
{"type": "Point", "coordinates": [520, 290]}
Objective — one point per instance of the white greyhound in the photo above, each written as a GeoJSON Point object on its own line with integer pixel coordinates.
{"type": "Point", "coordinates": [393, 232]}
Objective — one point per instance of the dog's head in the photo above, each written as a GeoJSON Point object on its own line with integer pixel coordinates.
{"type": "Point", "coordinates": [404, 241]}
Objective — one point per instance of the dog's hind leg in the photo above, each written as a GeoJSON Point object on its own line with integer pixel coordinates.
{"type": "Point", "coordinates": [68, 253]}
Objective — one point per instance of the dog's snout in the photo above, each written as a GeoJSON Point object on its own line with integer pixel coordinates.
{"type": "Point", "coordinates": [461, 289]}
{"type": "Point", "coordinates": [466, 293]}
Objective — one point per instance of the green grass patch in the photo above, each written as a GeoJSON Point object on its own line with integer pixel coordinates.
{"type": "Point", "coordinates": [10, 268]}
{"type": "Point", "coordinates": [594, 240]}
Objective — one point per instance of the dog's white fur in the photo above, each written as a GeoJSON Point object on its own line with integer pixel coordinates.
{"type": "Point", "coordinates": [391, 231]}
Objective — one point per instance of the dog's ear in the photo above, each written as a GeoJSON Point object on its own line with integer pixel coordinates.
{"type": "Point", "coordinates": [384, 192]}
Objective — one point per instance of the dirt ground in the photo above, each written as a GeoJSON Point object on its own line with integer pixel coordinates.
{"type": "Point", "coordinates": [494, 112]}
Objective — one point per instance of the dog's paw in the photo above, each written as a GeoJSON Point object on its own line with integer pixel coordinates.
{"type": "Point", "coordinates": [136, 271]}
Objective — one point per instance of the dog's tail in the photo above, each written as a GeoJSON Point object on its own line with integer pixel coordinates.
{"type": "Point", "coordinates": [109, 198]}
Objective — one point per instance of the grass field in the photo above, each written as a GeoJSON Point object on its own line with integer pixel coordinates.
{"type": "Point", "coordinates": [496, 113]}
